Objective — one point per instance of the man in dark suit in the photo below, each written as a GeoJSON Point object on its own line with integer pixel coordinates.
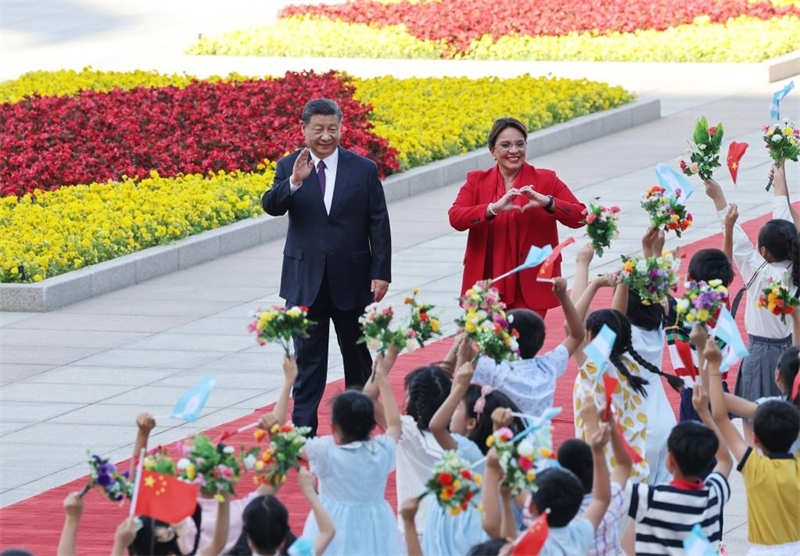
{"type": "Point", "coordinates": [337, 257]}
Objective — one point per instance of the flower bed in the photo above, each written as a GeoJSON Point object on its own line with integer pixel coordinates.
{"type": "Point", "coordinates": [615, 30]}
{"type": "Point", "coordinates": [184, 155]}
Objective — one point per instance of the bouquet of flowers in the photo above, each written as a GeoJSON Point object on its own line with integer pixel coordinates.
{"type": "Point", "coordinates": [159, 461]}
{"type": "Point", "coordinates": [279, 324]}
{"type": "Point", "coordinates": [286, 441]}
{"type": "Point", "coordinates": [104, 474]}
{"type": "Point", "coordinates": [421, 322]}
{"type": "Point", "coordinates": [212, 467]}
{"type": "Point", "coordinates": [777, 299]}
{"type": "Point", "coordinates": [521, 461]}
{"type": "Point", "coordinates": [376, 323]}
{"type": "Point", "coordinates": [702, 302]}
{"type": "Point", "coordinates": [783, 143]}
{"type": "Point", "coordinates": [704, 151]}
{"type": "Point", "coordinates": [601, 225]}
{"type": "Point", "coordinates": [454, 484]}
{"type": "Point", "coordinates": [652, 277]}
{"type": "Point", "coordinates": [485, 323]}
{"type": "Point", "coordinates": [665, 210]}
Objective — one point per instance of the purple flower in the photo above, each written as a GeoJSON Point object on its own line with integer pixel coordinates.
{"type": "Point", "coordinates": [103, 480]}
{"type": "Point", "coordinates": [126, 474]}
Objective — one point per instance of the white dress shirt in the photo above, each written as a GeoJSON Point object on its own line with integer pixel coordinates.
{"type": "Point", "coordinates": [331, 165]}
{"type": "Point", "coordinates": [760, 322]}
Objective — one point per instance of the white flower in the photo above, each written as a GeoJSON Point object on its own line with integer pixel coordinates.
{"type": "Point", "coordinates": [482, 314]}
{"type": "Point", "coordinates": [514, 345]}
{"type": "Point", "coordinates": [373, 344]}
{"type": "Point", "coordinates": [510, 319]}
{"type": "Point", "coordinates": [702, 147]}
{"type": "Point", "coordinates": [183, 463]}
{"type": "Point", "coordinates": [525, 448]}
{"type": "Point", "coordinates": [683, 305]}
{"type": "Point", "coordinates": [641, 266]}
{"type": "Point", "coordinates": [777, 138]}
{"type": "Point", "coordinates": [688, 151]}
{"type": "Point", "coordinates": [228, 449]}
{"type": "Point", "coordinates": [294, 312]}
{"type": "Point", "coordinates": [249, 461]}
{"type": "Point", "coordinates": [411, 344]}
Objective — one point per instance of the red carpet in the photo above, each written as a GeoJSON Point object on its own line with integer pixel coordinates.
{"type": "Point", "coordinates": [35, 523]}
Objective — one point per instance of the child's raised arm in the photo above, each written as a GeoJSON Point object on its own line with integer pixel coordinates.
{"type": "Point", "coordinates": [582, 259]}
{"type": "Point", "coordinates": [490, 497]}
{"type": "Point", "coordinates": [724, 428]}
{"type": "Point", "coordinates": [124, 536]}
{"type": "Point", "coordinates": [727, 237]}
{"type": "Point", "coordinates": [221, 528]}
{"type": "Point", "coordinates": [781, 189]}
{"type": "Point", "coordinates": [326, 528]}
{"type": "Point", "coordinates": [391, 412]}
{"type": "Point", "coordinates": [278, 415]}
{"type": "Point", "coordinates": [144, 424]}
{"type": "Point", "coordinates": [601, 489]}
{"type": "Point", "coordinates": [622, 470]}
{"type": "Point", "coordinates": [573, 320]}
{"type": "Point", "coordinates": [408, 512]}
{"type": "Point", "coordinates": [700, 403]}
{"type": "Point", "coordinates": [73, 508]}
{"type": "Point", "coordinates": [441, 419]}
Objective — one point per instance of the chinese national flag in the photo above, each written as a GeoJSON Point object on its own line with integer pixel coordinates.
{"type": "Point", "coordinates": [165, 498]}
{"type": "Point", "coordinates": [532, 541]}
{"type": "Point", "coordinates": [609, 384]}
{"type": "Point", "coordinates": [546, 270]}
{"type": "Point", "coordinates": [735, 154]}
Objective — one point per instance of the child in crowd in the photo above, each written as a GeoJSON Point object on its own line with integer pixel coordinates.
{"type": "Point", "coordinates": [628, 396]}
{"type": "Point", "coordinates": [666, 513]}
{"type": "Point", "coordinates": [560, 492]}
{"type": "Point", "coordinates": [353, 467]}
{"type": "Point", "coordinates": [647, 339]}
{"type": "Point", "coordinates": [462, 423]}
{"type": "Point", "coordinates": [777, 257]}
{"type": "Point", "coordinates": [771, 473]}
{"type": "Point", "coordinates": [576, 456]}
{"type": "Point", "coordinates": [530, 382]}
{"type": "Point", "coordinates": [705, 265]}
{"type": "Point", "coordinates": [417, 450]}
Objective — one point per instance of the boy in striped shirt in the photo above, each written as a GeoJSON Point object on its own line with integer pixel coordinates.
{"type": "Point", "coordinates": [665, 514]}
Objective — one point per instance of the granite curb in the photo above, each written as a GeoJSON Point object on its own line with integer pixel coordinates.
{"type": "Point", "coordinates": [127, 270]}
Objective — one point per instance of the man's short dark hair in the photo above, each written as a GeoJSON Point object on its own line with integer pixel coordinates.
{"type": "Point", "coordinates": [693, 446]}
{"type": "Point", "coordinates": [321, 107]}
{"type": "Point", "coordinates": [531, 331]}
{"type": "Point", "coordinates": [562, 492]}
{"type": "Point", "coordinates": [776, 425]}
{"type": "Point", "coordinates": [575, 455]}
{"type": "Point", "coordinates": [711, 264]}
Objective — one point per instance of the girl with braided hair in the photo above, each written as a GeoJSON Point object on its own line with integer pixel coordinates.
{"type": "Point", "coordinates": [627, 398]}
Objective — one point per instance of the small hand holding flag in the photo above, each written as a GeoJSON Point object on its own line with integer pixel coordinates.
{"type": "Point", "coordinates": [536, 256]}
{"type": "Point", "coordinates": [546, 271]}
{"type": "Point", "coordinates": [735, 154]}
{"type": "Point", "coordinates": [530, 543]}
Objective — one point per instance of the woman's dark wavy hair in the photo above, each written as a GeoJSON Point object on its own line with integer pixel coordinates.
{"type": "Point", "coordinates": [354, 413]}
{"type": "Point", "coordinates": [503, 123]}
{"type": "Point", "coordinates": [145, 541]}
{"type": "Point", "coordinates": [427, 388]}
{"type": "Point", "coordinates": [789, 366]}
{"type": "Point", "coordinates": [621, 326]}
{"type": "Point", "coordinates": [484, 427]}
{"type": "Point", "coordinates": [781, 239]}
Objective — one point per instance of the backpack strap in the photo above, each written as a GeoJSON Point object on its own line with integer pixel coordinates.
{"type": "Point", "coordinates": [738, 299]}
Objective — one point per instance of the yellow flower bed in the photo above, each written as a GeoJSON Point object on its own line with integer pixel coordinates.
{"type": "Point", "coordinates": [76, 226]}
{"type": "Point", "coordinates": [306, 36]}
{"type": "Point", "coordinates": [741, 39]}
{"type": "Point", "coordinates": [432, 118]}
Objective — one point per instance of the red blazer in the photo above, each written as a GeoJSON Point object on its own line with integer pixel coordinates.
{"type": "Point", "coordinates": [512, 233]}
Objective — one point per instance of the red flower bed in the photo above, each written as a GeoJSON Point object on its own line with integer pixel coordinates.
{"type": "Point", "coordinates": [46, 142]}
{"type": "Point", "coordinates": [460, 21]}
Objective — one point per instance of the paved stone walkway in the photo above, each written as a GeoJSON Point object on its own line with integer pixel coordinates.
{"type": "Point", "coordinates": [76, 377]}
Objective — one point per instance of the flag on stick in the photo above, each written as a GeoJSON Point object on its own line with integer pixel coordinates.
{"type": "Point", "coordinates": [164, 497]}
{"type": "Point", "coordinates": [531, 542]}
{"type": "Point", "coordinates": [735, 154]}
{"type": "Point", "coordinates": [192, 402]}
{"type": "Point", "coordinates": [536, 256]}
{"type": "Point", "coordinates": [600, 348]}
{"type": "Point", "coordinates": [727, 331]}
{"type": "Point", "coordinates": [777, 97]}
{"type": "Point", "coordinates": [546, 271]}
{"type": "Point", "coordinates": [672, 180]}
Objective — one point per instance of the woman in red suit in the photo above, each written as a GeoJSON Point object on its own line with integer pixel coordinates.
{"type": "Point", "coordinates": [507, 209]}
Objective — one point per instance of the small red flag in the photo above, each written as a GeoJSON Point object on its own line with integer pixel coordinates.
{"type": "Point", "coordinates": [735, 154]}
{"type": "Point", "coordinates": [795, 387]}
{"type": "Point", "coordinates": [546, 270]}
{"type": "Point", "coordinates": [635, 456]}
{"type": "Point", "coordinates": [531, 542]}
{"type": "Point", "coordinates": [610, 384]}
{"type": "Point", "coordinates": [165, 498]}
{"type": "Point", "coordinates": [226, 434]}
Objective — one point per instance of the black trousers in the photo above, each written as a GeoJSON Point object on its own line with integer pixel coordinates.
{"type": "Point", "coordinates": [312, 356]}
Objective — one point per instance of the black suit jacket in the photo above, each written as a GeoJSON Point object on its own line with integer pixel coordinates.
{"type": "Point", "coordinates": [352, 244]}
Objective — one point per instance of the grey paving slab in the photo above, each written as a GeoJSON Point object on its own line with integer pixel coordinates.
{"type": "Point", "coordinates": [168, 395]}
{"type": "Point", "coordinates": [191, 342]}
{"type": "Point", "coordinates": [7, 427]}
{"type": "Point", "coordinates": [57, 434]}
{"type": "Point", "coordinates": [216, 326]}
{"type": "Point", "coordinates": [80, 374]}
{"type": "Point", "coordinates": [60, 393]}
{"type": "Point", "coordinates": [12, 372]}
{"type": "Point", "coordinates": [114, 414]}
{"type": "Point", "coordinates": [105, 305]}
{"type": "Point", "coordinates": [67, 338]}
{"type": "Point", "coordinates": [36, 356]}
{"type": "Point", "coordinates": [100, 322]}
{"type": "Point", "coordinates": [228, 378]}
{"type": "Point", "coordinates": [33, 411]}
{"type": "Point", "coordinates": [152, 358]}
{"type": "Point", "coordinates": [7, 318]}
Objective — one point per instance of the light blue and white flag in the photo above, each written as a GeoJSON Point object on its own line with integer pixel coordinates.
{"type": "Point", "coordinates": [600, 348]}
{"type": "Point", "coordinates": [536, 256]}
{"type": "Point", "coordinates": [672, 180]}
{"type": "Point", "coordinates": [777, 97]}
{"type": "Point", "coordinates": [192, 402]}
{"type": "Point", "coordinates": [727, 331]}
{"type": "Point", "coordinates": [696, 544]}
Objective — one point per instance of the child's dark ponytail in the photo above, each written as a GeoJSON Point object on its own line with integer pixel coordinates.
{"type": "Point", "coordinates": [675, 382]}
{"type": "Point", "coordinates": [621, 326]}
{"type": "Point", "coordinates": [781, 239]}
